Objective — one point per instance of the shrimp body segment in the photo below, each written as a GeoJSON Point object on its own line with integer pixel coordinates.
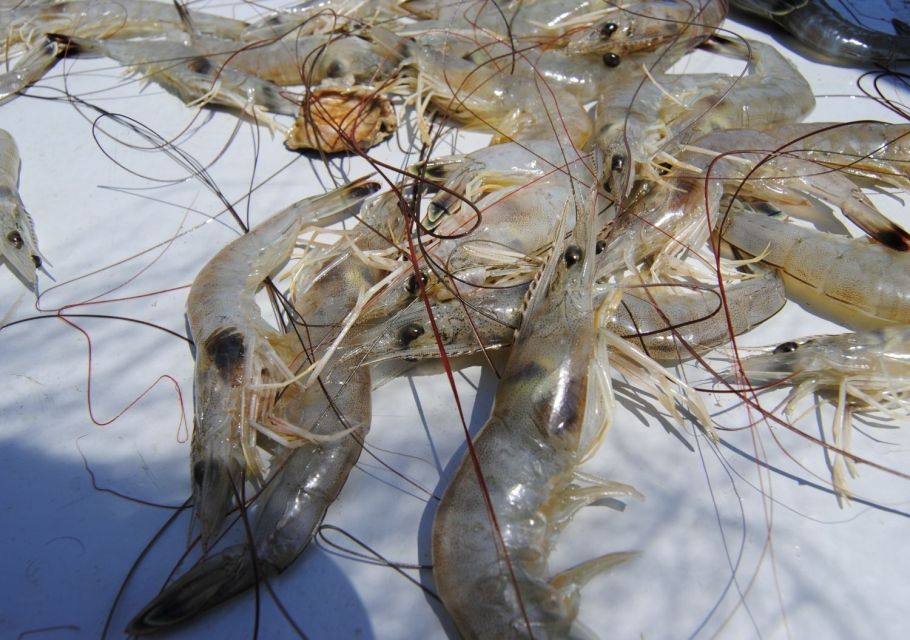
{"type": "Point", "coordinates": [550, 411]}
{"type": "Point", "coordinates": [18, 244]}
{"type": "Point", "coordinates": [234, 346]}
{"type": "Point", "coordinates": [851, 281]}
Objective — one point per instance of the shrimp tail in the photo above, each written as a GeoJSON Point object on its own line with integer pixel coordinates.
{"type": "Point", "coordinates": [212, 580]}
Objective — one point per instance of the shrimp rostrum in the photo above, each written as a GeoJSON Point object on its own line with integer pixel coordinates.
{"type": "Point", "coordinates": [495, 523]}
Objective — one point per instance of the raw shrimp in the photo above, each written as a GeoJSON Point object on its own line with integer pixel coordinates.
{"type": "Point", "coordinates": [866, 372]}
{"type": "Point", "coordinates": [785, 180]}
{"type": "Point", "coordinates": [825, 34]}
{"type": "Point", "coordinates": [519, 486]}
{"type": "Point", "coordinates": [852, 281]}
{"type": "Point", "coordinates": [303, 481]}
{"type": "Point", "coordinates": [19, 245]}
{"type": "Point", "coordinates": [234, 350]}
{"type": "Point", "coordinates": [190, 76]}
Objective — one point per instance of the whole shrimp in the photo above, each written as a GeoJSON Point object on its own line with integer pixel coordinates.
{"type": "Point", "coordinates": [852, 281]}
{"type": "Point", "coordinates": [825, 34]}
{"type": "Point", "coordinates": [234, 348]}
{"type": "Point", "coordinates": [494, 524]}
{"type": "Point", "coordinates": [866, 372]}
{"type": "Point", "coordinates": [302, 483]}
{"type": "Point", "coordinates": [18, 245]}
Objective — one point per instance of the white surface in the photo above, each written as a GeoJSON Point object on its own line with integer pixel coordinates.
{"type": "Point", "coordinates": [731, 547]}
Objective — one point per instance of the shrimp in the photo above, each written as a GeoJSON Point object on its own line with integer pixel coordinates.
{"type": "Point", "coordinates": [647, 26]}
{"type": "Point", "coordinates": [514, 107]}
{"type": "Point", "coordinates": [19, 246]}
{"type": "Point", "coordinates": [785, 180]}
{"type": "Point", "coordinates": [190, 76]}
{"type": "Point", "coordinates": [864, 372]}
{"type": "Point", "coordinates": [823, 33]}
{"type": "Point", "coordinates": [851, 281]}
{"type": "Point", "coordinates": [495, 522]}
{"type": "Point", "coordinates": [641, 118]}
{"type": "Point", "coordinates": [234, 347]}
{"type": "Point", "coordinates": [303, 481]}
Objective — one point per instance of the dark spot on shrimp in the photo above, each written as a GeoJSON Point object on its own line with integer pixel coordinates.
{"type": "Point", "coordinates": [5, 193]}
{"type": "Point", "coordinates": [893, 238]}
{"type": "Point", "coordinates": [409, 333]}
{"type": "Point", "coordinates": [612, 60]}
{"type": "Point", "coordinates": [786, 347]}
{"type": "Point", "coordinates": [599, 246]}
{"type": "Point", "coordinates": [608, 29]}
{"type": "Point", "coordinates": [37, 261]}
{"type": "Point", "coordinates": [412, 286]}
{"type": "Point", "coordinates": [573, 255]}
{"type": "Point", "coordinates": [226, 350]}
{"type": "Point", "coordinates": [365, 190]}
{"type": "Point", "coordinates": [199, 472]}
{"type": "Point", "coordinates": [14, 239]}
{"type": "Point", "coordinates": [608, 188]}
{"type": "Point", "coordinates": [617, 163]}
{"type": "Point", "coordinates": [335, 70]}
{"type": "Point", "coordinates": [200, 65]}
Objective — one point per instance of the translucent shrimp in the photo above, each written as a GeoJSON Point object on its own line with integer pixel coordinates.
{"type": "Point", "coordinates": [19, 245]}
{"type": "Point", "coordinates": [785, 180]}
{"type": "Point", "coordinates": [491, 538]}
{"type": "Point", "coordinates": [190, 76]}
{"type": "Point", "coordinates": [234, 348]}
{"type": "Point", "coordinates": [866, 372]}
{"type": "Point", "coordinates": [514, 107]}
{"type": "Point", "coordinates": [303, 481]}
{"type": "Point", "coordinates": [645, 26]}
{"type": "Point", "coordinates": [643, 116]}
{"type": "Point", "coordinates": [825, 34]}
{"type": "Point", "coordinates": [851, 281]}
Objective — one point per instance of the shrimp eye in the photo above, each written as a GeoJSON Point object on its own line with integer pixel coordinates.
{"type": "Point", "coordinates": [412, 286]}
{"type": "Point", "coordinates": [37, 261]}
{"type": "Point", "coordinates": [335, 70]}
{"type": "Point", "coordinates": [617, 163]}
{"type": "Point", "coordinates": [14, 239]}
{"type": "Point", "coordinates": [611, 60]}
{"type": "Point", "coordinates": [599, 246]}
{"type": "Point", "coordinates": [409, 333]}
{"type": "Point", "coordinates": [572, 255]}
{"type": "Point", "coordinates": [608, 30]}
{"type": "Point", "coordinates": [786, 347]}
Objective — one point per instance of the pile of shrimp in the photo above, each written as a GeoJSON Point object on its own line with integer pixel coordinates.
{"type": "Point", "coordinates": [332, 222]}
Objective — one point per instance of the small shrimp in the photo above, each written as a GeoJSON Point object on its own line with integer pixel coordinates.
{"type": "Point", "coordinates": [491, 538]}
{"type": "Point", "coordinates": [234, 346]}
{"type": "Point", "coordinates": [826, 35]}
{"type": "Point", "coordinates": [192, 77]}
{"type": "Point", "coordinates": [19, 245]}
{"type": "Point", "coordinates": [864, 372]}
{"type": "Point", "coordinates": [851, 281]}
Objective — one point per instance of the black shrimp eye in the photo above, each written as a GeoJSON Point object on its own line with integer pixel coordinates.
{"type": "Point", "coordinates": [412, 286]}
{"type": "Point", "coordinates": [572, 255]}
{"type": "Point", "coordinates": [607, 187]}
{"type": "Point", "coordinates": [409, 333]}
{"type": "Point", "coordinates": [617, 163]}
{"type": "Point", "coordinates": [608, 30]}
{"type": "Point", "coordinates": [786, 347]}
{"type": "Point", "coordinates": [612, 60]}
{"type": "Point", "coordinates": [15, 239]}
{"type": "Point", "coordinates": [37, 261]}
{"type": "Point", "coordinates": [599, 246]}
